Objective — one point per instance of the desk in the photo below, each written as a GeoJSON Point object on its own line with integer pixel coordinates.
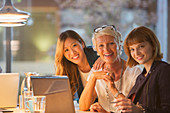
{"type": "Point", "coordinates": [17, 110]}
{"type": "Point", "coordinates": [76, 106]}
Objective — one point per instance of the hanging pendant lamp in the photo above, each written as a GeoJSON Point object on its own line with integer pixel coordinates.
{"type": "Point", "coordinates": [12, 24]}
{"type": "Point", "coordinates": [12, 17]}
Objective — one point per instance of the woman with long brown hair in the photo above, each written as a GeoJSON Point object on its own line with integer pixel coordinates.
{"type": "Point", "coordinates": [74, 59]}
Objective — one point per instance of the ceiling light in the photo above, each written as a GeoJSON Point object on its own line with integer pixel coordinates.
{"type": "Point", "coordinates": [9, 14]}
{"type": "Point", "coordinates": [13, 20]}
{"type": "Point", "coordinates": [12, 24]}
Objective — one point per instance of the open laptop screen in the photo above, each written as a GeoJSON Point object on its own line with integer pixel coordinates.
{"type": "Point", "coordinates": [9, 86]}
{"type": "Point", "coordinates": [57, 91]}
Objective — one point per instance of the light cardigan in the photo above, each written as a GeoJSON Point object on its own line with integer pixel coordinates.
{"type": "Point", "coordinates": [128, 80]}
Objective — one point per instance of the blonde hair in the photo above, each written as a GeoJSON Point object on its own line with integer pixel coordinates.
{"type": "Point", "coordinates": [138, 35]}
{"type": "Point", "coordinates": [108, 30]}
{"type": "Point", "coordinates": [64, 66]}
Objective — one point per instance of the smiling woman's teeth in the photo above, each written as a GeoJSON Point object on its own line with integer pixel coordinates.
{"type": "Point", "coordinates": [108, 54]}
{"type": "Point", "coordinates": [139, 58]}
{"type": "Point", "coordinates": [75, 57]}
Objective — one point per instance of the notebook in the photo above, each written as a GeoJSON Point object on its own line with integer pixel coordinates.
{"type": "Point", "coordinates": [9, 86]}
{"type": "Point", "coordinates": [57, 91]}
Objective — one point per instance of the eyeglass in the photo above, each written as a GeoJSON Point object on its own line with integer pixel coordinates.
{"type": "Point", "coordinates": [97, 29]}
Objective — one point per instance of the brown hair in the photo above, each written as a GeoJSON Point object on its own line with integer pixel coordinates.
{"type": "Point", "coordinates": [64, 66]}
{"type": "Point", "coordinates": [138, 35]}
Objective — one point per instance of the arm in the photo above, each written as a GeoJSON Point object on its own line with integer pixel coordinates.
{"type": "Point", "coordinates": [89, 94]}
{"type": "Point", "coordinates": [109, 79]}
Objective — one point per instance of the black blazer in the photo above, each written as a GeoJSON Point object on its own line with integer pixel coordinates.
{"type": "Point", "coordinates": [153, 91]}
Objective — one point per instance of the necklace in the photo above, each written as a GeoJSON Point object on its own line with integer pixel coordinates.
{"type": "Point", "coordinates": [120, 85]}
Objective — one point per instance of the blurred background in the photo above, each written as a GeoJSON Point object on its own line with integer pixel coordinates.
{"type": "Point", "coordinates": [33, 45]}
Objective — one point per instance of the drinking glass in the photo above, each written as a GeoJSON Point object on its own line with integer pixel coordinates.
{"type": "Point", "coordinates": [27, 99]}
{"type": "Point", "coordinates": [39, 103]}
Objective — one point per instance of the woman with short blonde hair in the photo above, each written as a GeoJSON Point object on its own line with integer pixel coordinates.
{"type": "Point", "coordinates": [108, 44]}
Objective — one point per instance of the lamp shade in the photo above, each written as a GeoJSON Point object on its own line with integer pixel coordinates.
{"type": "Point", "coordinates": [12, 24]}
{"type": "Point", "coordinates": [10, 15]}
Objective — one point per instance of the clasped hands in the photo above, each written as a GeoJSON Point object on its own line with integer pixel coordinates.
{"type": "Point", "coordinates": [125, 104]}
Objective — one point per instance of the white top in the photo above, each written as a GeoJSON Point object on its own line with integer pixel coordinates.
{"type": "Point", "coordinates": [128, 80]}
{"type": "Point", "coordinates": [83, 76]}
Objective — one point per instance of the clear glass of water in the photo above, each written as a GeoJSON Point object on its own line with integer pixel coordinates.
{"type": "Point", "coordinates": [39, 104]}
{"type": "Point", "coordinates": [27, 98]}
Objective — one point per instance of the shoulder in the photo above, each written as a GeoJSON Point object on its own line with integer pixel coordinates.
{"type": "Point", "coordinates": [161, 66]}
{"type": "Point", "coordinates": [131, 73]}
{"type": "Point", "coordinates": [91, 55]}
{"type": "Point", "coordinates": [89, 51]}
{"type": "Point", "coordinates": [93, 70]}
{"type": "Point", "coordinates": [135, 70]}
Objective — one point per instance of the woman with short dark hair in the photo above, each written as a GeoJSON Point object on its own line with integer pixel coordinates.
{"type": "Point", "coordinates": [151, 92]}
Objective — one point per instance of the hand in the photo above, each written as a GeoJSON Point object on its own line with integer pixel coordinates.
{"type": "Point", "coordinates": [98, 75]}
{"type": "Point", "coordinates": [98, 64]}
{"type": "Point", "coordinates": [126, 106]}
{"type": "Point", "coordinates": [110, 73]}
{"type": "Point", "coordinates": [96, 107]}
{"type": "Point", "coordinates": [109, 81]}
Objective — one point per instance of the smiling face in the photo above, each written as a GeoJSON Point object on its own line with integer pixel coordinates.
{"type": "Point", "coordinates": [107, 48]}
{"type": "Point", "coordinates": [73, 51]}
{"type": "Point", "coordinates": [142, 52]}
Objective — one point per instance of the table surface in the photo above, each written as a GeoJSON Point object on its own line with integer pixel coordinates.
{"type": "Point", "coordinates": [17, 110]}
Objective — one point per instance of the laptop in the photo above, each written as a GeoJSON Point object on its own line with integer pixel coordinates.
{"type": "Point", "coordinates": [57, 91]}
{"type": "Point", "coordinates": [9, 86]}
